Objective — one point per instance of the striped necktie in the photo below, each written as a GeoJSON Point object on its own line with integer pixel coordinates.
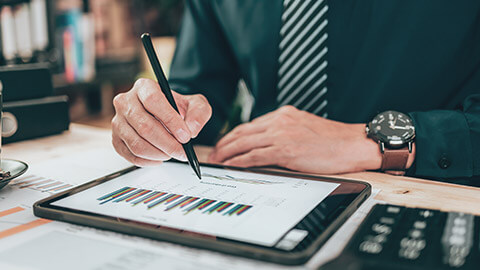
{"type": "Point", "coordinates": [302, 71]}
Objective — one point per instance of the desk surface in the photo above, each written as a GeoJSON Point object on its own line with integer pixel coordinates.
{"type": "Point", "coordinates": [406, 191]}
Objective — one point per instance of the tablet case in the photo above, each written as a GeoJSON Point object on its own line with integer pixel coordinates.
{"type": "Point", "coordinates": [33, 118]}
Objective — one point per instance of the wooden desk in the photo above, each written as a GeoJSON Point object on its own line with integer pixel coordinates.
{"type": "Point", "coordinates": [394, 189]}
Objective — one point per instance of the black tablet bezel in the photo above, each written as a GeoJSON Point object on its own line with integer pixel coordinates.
{"type": "Point", "coordinates": [351, 201]}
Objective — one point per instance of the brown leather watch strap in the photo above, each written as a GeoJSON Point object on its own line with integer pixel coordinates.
{"type": "Point", "coordinates": [394, 161]}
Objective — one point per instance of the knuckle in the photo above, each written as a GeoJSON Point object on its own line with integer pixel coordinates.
{"type": "Point", "coordinates": [136, 147]}
{"type": "Point", "coordinates": [150, 99]}
{"type": "Point", "coordinates": [170, 120]}
{"type": "Point", "coordinates": [240, 129]}
{"type": "Point", "coordinates": [201, 98]}
{"type": "Point", "coordinates": [287, 109]}
{"type": "Point", "coordinates": [280, 120]}
{"type": "Point", "coordinates": [119, 100]}
{"type": "Point", "coordinates": [141, 83]}
{"type": "Point", "coordinates": [143, 126]}
{"type": "Point", "coordinates": [114, 124]}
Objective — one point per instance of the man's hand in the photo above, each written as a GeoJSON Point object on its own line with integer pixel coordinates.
{"type": "Point", "coordinates": [299, 141]}
{"type": "Point", "coordinates": [146, 130]}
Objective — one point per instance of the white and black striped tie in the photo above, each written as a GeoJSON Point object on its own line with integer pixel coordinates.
{"type": "Point", "coordinates": [303, 66]}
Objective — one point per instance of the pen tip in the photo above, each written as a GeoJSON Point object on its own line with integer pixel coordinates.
{"type": "Point", "coordinates": [199, 174]}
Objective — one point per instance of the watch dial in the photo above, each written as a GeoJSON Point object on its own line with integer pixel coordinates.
{"type": "Point", "coordinates": [392, 127]}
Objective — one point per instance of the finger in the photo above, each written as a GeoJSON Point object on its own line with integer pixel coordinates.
{"type": "Point", "coordinates": [155, 102]}
{"type": "Point", "coordinates": [197, 114]}
{"type": "Point", "coordinates": [181, 102]}
{"type": "Point", "coordinates": [242, 130]}
{"type": "Point", "coordinates": [137, 145]}
{"type": "Point", "coordinates": [255, 158]}
{"type": "Point", "coordinates": [123, 151]}
{"type": "Point", "coordinates": [240, 146]}
{"type": "Point", "coordinates": [150, 129]}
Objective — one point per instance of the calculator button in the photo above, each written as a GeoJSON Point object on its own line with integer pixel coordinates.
{"type": "Point", "coordinates": [381, 228]}
{"type": "Point", "coordinates": [393, 209]}
{"type": "Point", "coordinates": [416, 233]}
{"type": "Point", "coordinates": [409, 243]}
{"type": "Point", "coordinates": [420, 225]}
{"type": "Point", "coordinates": [387, 220]}
{"type": "Point", "coordinates": [400, 238]}
{"type": "Point", "coordinates": [457, 239]}
{"type": "Point", "coordinates": [371, 247]}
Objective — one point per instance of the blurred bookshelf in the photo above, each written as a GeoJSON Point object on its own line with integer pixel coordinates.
{"type": "Point", "coordinates": [90, 45]}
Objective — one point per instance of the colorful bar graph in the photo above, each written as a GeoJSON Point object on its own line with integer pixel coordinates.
{"type": "Point", "coordinates": [155, 197]}
{"type": "Point", "coordinates": [224, 207]}
{"type": "Point", "coordinates": [145, 197]}
{"type": "Point", "coordinates": [150, 206]}
{"type": "Point", "coordinates": [128, 195]}
{"type": "Point", "coordinates": [235, 208]}
{"type": "Point", "coordinates": [213, 208]}
{"type": "Point", "coordinates": [245, 208]}
{"type": "Point", "coordinates": [172, 206]}
{"type": "Point", "coordinates": [195, 206]}
{"type": "Point", "coordinates": [138, 195]}
{"type": "Point", "coordinates": [185, 204]}
{"type": "Point", "coordinates": [118, 194]}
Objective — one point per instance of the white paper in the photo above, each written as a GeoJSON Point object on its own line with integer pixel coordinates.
{"type": "Point", "coordinates": [267, 207]}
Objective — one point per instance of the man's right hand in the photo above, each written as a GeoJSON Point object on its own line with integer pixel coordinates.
{"type": "Point", "coordinates": [146, 130]}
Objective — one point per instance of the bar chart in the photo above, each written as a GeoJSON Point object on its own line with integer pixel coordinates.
{"type": "Point", "coordinates": [173, 202]}
{"type": "Point", "coordinates": [39, 183]}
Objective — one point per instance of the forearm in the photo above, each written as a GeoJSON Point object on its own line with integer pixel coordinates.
{"type": "Point", "coordinates": [448, 142]}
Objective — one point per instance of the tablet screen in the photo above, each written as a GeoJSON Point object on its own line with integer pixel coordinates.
{"type": "Point", "coordinates": [244, 206]}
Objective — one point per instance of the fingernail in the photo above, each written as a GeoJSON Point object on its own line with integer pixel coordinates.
{"type": "Point", "coordinates": [183, 136]}
{"type": "Point", "coordinates": [183, 157]}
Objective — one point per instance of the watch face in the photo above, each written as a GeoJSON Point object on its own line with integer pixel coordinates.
{"type": "Point", "coordinates": [392, 127]}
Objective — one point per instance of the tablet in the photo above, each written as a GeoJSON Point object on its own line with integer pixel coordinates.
{"type": "Point", "coordinates": [273, 216]}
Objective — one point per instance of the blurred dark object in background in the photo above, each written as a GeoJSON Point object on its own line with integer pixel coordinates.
{"type": "Point", "coordinates": [30, 110]}
{"type": "Point", "coordinates": [161, 17]}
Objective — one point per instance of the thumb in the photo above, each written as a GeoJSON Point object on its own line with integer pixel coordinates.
{"type": "Point", "coordinates": [198, 112]}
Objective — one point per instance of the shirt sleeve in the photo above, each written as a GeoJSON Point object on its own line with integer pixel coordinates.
{"type": "Point", "coordinates": [204, 63]}
{"type": "Point", "coordinates": [448, 142]}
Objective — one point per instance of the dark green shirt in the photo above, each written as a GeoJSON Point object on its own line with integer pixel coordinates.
{"type": "Point", "coordinates": [417, 57]}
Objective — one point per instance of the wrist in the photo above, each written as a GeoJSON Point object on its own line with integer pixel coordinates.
{"type": "Point", "coordinates": [370, 157]}
{"type": "Point", "coordinates": [373, 155]}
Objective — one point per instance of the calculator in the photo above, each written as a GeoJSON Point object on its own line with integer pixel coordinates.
{"type": "Point", "coordinates": [396, 237]}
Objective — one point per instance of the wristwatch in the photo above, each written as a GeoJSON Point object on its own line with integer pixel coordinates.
{"type": "Point", "coordinates": [394, 132]}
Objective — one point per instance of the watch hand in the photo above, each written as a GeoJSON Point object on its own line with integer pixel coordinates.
{"type": "Point", "coordinates": [399, 127]}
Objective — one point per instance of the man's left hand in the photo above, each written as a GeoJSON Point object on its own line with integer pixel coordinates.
{"type": "Point", "coordinates": [299, 141]}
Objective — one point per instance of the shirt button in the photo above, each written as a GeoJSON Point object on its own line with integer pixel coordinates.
{"type": "Point", "coordinates": [444, 163]}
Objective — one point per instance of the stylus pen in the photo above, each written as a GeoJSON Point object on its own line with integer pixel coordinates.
{"type": "Point", "coordinates": [162, 81]}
